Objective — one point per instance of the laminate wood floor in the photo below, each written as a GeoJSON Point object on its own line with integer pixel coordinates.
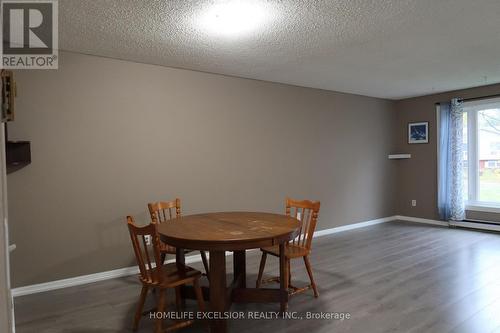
{"type": "Point", "coordinates": [391, 277]}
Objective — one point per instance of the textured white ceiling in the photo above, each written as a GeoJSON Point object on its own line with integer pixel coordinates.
{"type": "Point", "coordinates": [383, 48]}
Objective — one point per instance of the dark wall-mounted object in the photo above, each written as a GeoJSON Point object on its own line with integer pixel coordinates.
{"type": "Point", "coordinates": [8, 94]}
{"type": "Point", "coordinates": [18, 155]}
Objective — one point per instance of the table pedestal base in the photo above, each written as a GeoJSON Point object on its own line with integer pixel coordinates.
{"type": "Point", "coordinates": [221, 296]}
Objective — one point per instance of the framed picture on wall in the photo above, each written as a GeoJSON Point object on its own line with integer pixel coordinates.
{"type": "Point", "coordinates": [418, 132]}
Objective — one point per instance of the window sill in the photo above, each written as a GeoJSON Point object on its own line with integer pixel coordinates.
{"type": "Point", "coordinates": [483, 207]}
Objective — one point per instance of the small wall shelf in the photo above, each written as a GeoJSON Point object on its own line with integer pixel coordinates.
{"type": "Point", "coordinates": [399, 156]}
{"type": "Point", "coordinates": [18, 155]}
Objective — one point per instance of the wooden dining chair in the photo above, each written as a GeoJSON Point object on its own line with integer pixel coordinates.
{"type": "Point", "coordinates": [156, 276]}
{"type": "Point", "coordinates": [168, 211]}
{"type": "Point", "coordinates": [307, 212]}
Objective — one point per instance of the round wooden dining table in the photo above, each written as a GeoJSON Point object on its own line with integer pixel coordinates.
{"type": "Point", "coordinates": [236, 232]}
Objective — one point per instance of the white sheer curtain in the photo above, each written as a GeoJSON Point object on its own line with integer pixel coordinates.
{"type": "Point", "coordinates": [450, 186]}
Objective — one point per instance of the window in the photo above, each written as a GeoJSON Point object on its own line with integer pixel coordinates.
{"type": "Point", "coordinates": [481, 164]}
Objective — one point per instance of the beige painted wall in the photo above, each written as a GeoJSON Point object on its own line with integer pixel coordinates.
{"type": "Point", "coordinates": [5, 295]}
{"type": "Point", "coordinates": [5, 299]}
{"type": "Point", "coordinates": [417, 177]}
{"type": "Point", "coordinates": [108, 136]}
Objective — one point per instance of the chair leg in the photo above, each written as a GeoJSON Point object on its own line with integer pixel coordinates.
{"type": "Point", "coordinates": [200, 300]}
{"type": "Point", "coordinates": [161, 308]}
{"type": "Point", "coordinates": [179, 303]}
{"type": "Point", "coordinates": [140, 306]}
{"type": "Point", "coordinates": [309, 271]}
{"type": "Point", "coordinates": [261, 269]}
{"type": "Point", "coordinates": [205, 263]}
{"type": "Point", "coordinates": [289, 273]}
{"type": "Point", "coordinates": [162, 257]}
{"type": "Point", "coordinates": [283, 278]}
{"type": "Point", "coordinates": [199, 295]}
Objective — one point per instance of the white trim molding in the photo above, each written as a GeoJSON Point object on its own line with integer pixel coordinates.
{"type": "Point", "coordinates": [90, 278]}
{"type": "Point", "coordinates": [421, 220]}
{"type": "Point", "coordinates": [122, 272]}
{"type": "Point", "coordinates": [74, 281]}
{"type": "Point", "coordinates": [353, 226]}
{"type": "Point", "coordinates": [127, 271]}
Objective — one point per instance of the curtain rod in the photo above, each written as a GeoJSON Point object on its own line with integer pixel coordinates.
{"type": "Point", "coordinates": [478, 98]}
{"type": "Point", "coordinates": [475, 98]}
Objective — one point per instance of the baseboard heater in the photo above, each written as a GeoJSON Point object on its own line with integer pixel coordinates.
{"type": "Point", "coordinates": [476, 224]}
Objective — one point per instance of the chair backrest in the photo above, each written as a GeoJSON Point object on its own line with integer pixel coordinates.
{"type": "Point", "coordinates": [307, 212]}
{"type": "Point", "coordinates": [163, 211]}
{"type": "Point", "coordinates": [146, 254]}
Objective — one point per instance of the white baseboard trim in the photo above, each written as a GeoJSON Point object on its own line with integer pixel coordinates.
{"type": "Point", "coordinates": [75, 281]}
{"type": "Point", "coordinates": [127, 271]}
{"type": "Point", "coordinates": [85, 279]}
{"type": "Point", "coordinates": [421, 220]}
{"type": "Point", "coordinates": [353, 226]}
{"type": "Point", "coordinates": [122, 272]}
